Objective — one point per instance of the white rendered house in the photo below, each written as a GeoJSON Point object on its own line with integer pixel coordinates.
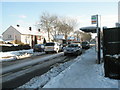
{"type": "Point", "coordinates": [24, 35]}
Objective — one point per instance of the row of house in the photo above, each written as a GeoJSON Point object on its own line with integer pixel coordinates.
{"type": "Point", "coordinates": [18, 34]}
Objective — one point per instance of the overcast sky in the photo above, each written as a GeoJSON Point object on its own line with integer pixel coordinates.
{"type": "Point", "coordinates": [27, 13]}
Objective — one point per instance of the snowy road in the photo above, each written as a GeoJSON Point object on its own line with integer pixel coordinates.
{"type": "Point", "coordinates": [23, 60]}
{"type": "Point", "coordinates": [32, 66]}
{"type": "Point", "coordinates": [27, 63]}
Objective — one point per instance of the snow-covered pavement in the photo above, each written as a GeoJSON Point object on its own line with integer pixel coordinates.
{"type": "Point", "coordinates": [83, 72]}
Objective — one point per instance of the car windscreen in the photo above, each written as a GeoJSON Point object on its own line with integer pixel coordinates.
{"type": "Point", "coordinates": [84, 43]}
{"type": "Point", "coordinates": [37, 45]}
{"type": "Point", "coordinates": [49, 44]}
{"type": "Point", "coordinates": [73, 45]}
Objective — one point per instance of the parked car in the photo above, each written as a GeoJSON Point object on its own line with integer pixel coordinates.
{"type": "Point", "coordinates": [52, 47]}
{"type": "Point", "coordinates": [38, 48]}
{"type": "Point", "coordinates": [74, 49]}
{"type": "Point", "coordinates": [85, 45]}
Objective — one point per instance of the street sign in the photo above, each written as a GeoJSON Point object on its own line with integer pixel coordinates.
{"type": "Point", "coordinates": [94, 19]}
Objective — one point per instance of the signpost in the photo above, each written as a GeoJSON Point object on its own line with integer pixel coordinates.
{"type": "Point", "coordinates": [94, 20]}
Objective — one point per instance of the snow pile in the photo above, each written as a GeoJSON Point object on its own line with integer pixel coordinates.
{"type": "Point", "coordinates": [40, 81]}
{"type": "Point", "coordinates": [8, 44]}
{"type": "Point", "coordinates": [84, 73]}
{"type": "Point", "coordinates": [116, 56]}
{"type": "Point", "coordinates": [14, 55]}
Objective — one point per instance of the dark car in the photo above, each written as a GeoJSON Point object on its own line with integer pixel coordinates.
{"type": "Point", "coordinates": [38, 48]}
{"type": "Point", "coordinates": [85, 45]}
{"type": "Point", "coordinates": [73, 49]}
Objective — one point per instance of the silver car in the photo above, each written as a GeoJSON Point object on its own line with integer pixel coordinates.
{"type": "Point", "coordinates": [52, 47]}
{"type": "Point", "coordinates": [73, 49]}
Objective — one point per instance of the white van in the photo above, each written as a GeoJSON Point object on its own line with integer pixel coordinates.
{"type": "Point", "coordinates": [52, 47]}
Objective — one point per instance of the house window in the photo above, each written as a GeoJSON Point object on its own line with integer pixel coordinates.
{"type": "Point", "coordinates": [9, 36]}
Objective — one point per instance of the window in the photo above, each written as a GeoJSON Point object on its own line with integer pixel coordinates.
{"type": "Point", "coordinates": [9, 36]}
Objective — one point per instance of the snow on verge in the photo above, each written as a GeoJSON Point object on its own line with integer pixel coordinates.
{"type": "Point", "coordinates": [116, 56]}
{"type": "Point", "coordinates": [14, 55]}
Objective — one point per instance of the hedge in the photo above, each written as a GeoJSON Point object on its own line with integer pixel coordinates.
{"type": "Point", "coordinates": [14, 48]}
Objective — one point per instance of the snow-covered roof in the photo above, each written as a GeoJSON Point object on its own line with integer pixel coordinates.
{"type": "Point", "coordinates": [23, 30]}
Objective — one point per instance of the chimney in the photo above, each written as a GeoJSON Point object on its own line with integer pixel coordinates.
{"type": "Point", "coordinates": [38, 30]}
{"type": "Point", "coordinates": [30, 28]}
{"type": "Point", "coordinates": [18, 25]}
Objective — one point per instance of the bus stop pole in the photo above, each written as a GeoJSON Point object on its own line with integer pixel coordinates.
{"type": "Point", "coordinates": [99, 47]}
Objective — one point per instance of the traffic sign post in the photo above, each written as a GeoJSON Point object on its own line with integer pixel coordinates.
{"type": "Point", "coordinates": [94, 20]}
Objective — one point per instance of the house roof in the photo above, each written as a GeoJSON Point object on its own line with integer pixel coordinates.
{"type": "Point", "coordinates": [26, 31]}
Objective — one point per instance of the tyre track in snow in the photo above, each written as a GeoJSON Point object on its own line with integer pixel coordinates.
{"type": "Point", "coordinates": [17, 78]}
{"type": "Point", "coordinates": [25, 74]}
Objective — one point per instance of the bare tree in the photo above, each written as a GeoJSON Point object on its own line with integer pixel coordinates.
{"type": "Point", "coordinates": [78, 34]}
{"type": "Point", "coordinates": [54, 28]}
{"type": "Point", "coordinates": [85, 36]}
{"type": "Point", "coordinates": [82, 35]}
{"type": "Point", "coordinates": [54, 25]}
{"type": "Point", "coordinates": [66, 26]}
{"type": "Point", "coordinates": [47, 22]}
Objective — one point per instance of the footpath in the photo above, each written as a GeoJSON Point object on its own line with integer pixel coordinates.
{"type": "Point", "coordinates": [84, 73]}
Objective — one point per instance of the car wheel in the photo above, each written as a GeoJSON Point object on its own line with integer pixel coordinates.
{"type": "Point", "coordinates": [81, 52]}
{"type": "Point", "coordinates": [77, 53]}
{"type": "Point", "coordinates": [65, 54]}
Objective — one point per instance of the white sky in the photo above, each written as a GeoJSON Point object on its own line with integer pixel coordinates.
{"type": "Point", "coordinates": [60, 0]}
{"type": "Point", "coordinates": [108, 12]}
